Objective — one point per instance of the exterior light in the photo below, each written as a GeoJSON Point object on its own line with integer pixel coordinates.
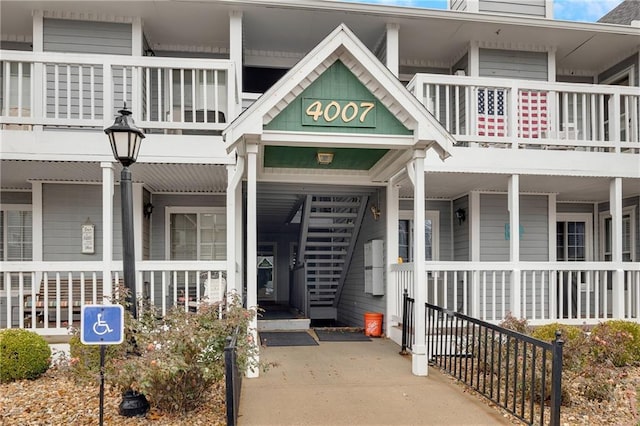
{"type": "Point", "coordinates": [324, 158]}
{"type": "Point", "coordinates": [125, 138]}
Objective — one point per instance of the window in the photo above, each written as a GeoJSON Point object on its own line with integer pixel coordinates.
{"type": "Point", "coordinates": [627, 235]}
{"type": "Point", "coordinates": [406, 235]}
{"type": "Point", "coordinates": [197, 234]}
{"type": "Point", "coordinates": [16, 233]}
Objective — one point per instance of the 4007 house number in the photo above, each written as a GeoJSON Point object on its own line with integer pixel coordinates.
{"type": "Point", "coordinates": [338, 113]}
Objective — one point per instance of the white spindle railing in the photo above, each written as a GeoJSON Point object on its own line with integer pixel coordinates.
{"type": "Point", "coordinates": [529, 114]}
{"type": "Point", "coordinates": [568, 292]}
{"type": "Point", "coordinates": [78, 90]}
{"type": "Point", "coordinates": [47, 296]}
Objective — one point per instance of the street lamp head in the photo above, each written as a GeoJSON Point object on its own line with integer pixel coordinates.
{"type": "Point", "coordinates": [125, 138]}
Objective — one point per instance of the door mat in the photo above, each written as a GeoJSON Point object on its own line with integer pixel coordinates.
{"type": "Point", "coordinates": [335, 335]}
{"type": "Point", "coordinates": [286, 338]}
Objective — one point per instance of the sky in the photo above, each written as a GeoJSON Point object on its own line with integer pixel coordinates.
{"type": "Point", "coordinates": [568, 10]}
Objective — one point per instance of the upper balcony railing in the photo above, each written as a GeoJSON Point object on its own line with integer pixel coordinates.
{"type": "Point", "coordinates": [529, 114]}
{"type": "Point", "coordinates": [85, 91]}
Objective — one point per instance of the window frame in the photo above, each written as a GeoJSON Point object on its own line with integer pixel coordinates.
{"type": "Point", "coordinates": [197, 211]}
{"type": "Point", "coordinates": [626, 211]}
{"type": "Point", "coordinates": [434, 217]}
{"type": "Point", "coordinates": [3, 223]}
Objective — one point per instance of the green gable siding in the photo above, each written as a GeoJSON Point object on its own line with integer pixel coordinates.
{"type": "Point", "coordinates": [339, 84]}
{"type": "Point", "coordinates": [305, 157]}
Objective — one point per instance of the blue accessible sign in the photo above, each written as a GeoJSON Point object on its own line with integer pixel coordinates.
{"type": "Point", "coordinates": [102, 325]}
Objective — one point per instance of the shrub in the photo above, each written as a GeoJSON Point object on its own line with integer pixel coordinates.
{"type": "Point", "coordinates": [616, 342]}
{"type": "Point", "coordinates": [512, 323]}
{"type": "Point", "coordinates": [574, 349]}
{"type": "Point", "coordinates": [23, 355]}
{"type": "Point", "coordinates": [181, 356]}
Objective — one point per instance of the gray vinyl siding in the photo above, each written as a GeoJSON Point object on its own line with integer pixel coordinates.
{"type": "Point", "coordinates": [513, 64]}
{"type": "Point", "coordinates": [461, 250]}
{"type": "Point", "coordinates": [15, 45]}
{"type": "Point", "coordinates": [65, 208]}
{"type": "Point", "coordinates": [354, 302]}
{"type": "Point", "coordinates": [460, 5]}
{"type": "Point", "coordinates": [108, 38]}
{"type": "Point", "coordinates": [574, 208]}
{"type": "Point", "coordinates": [146, 228]}
{"type": "Point", "coordinates": [9, 197]}
{"type": "Point", "coordinates": [494, 218]}
{"type": "Point", "coordinates": [519, 7]}
{"type": "Point", "coordinates": [158, 218]}
{"type": "Point", "coordinates": [631, 61]}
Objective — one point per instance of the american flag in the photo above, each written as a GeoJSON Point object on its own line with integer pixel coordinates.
{"type": "Point", "coordinates": [491, 117]}
{"type": "Point", "coordinates": [532, 114]}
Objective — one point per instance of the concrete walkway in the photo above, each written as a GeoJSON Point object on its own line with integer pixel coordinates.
{"type": "Point", "coordinates": [355, 383]}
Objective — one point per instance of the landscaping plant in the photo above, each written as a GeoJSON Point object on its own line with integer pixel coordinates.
{"type": "Point", "coordinates": [23, 355]}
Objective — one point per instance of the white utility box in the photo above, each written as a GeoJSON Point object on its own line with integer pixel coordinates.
{"type": "Point", "coordinates": [374, 267]}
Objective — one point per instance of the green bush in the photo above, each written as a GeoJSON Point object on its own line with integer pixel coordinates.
{"type": "Point", "coordinates": [616, 342]}
{"type": "Point", "coordinates": [574, 349]}
{"type": "Point", "coordinates": [548, 332]}
{"type": "Point", "coordinates": [23, 355]}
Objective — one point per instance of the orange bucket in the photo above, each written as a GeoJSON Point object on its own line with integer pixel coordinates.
{"type": "Point", "coordinates": [373, 324]}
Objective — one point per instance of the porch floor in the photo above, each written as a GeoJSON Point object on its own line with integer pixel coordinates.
{"type": "Point", "coordinates": [355, 383]}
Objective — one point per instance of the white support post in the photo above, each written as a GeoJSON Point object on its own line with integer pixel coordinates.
{"type": "Point", "coordinates": [392, 253]}
{"type": "Point", "coordinates": [107, 229]}
{"type": "Point", "coordinates": [474, 59]}
{"type": "Point", "coordinates": [615, 207]}
{"type": "Point", "coordinates": [235, 54]}
{"type": "Point", "coordinates": [553, 256]}
{"type": "Point", "coordinates": [36, 214]}
{"type": "Point", "coordinates": [419, 352]}
{"type": "Point", "coordinates": [514, 244]}
{"type": "Point", "coordinates": [38, 99]}
{"type": "Point", "coordinates": [393, 48]}
{"type": "Point", "coordinates": [234, 225]}
{"type": "Point", "coordinates": [137, 37]}
{"type": "Point", "coordinates": [473, 216]}
{"type": "Point", "coordinates": [252, 247]}
{"type": "Point", "coordinates": [138, 216]}
{"type": "Point", "coordinates": [551, 65]}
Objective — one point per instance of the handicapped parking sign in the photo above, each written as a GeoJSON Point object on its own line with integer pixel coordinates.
{"type": "Point", "coordinates": [102, 325]}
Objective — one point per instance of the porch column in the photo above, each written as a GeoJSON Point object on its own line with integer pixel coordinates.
{"type": "Point", "coordinates": [419, 352]}
{"type": "Point", "coordinates": [234, 226]}
{"type": "Point", "coordinates": [474, 249]}
{"type": "Point", "coordinates": [37, 230]}
{"type": "Point", "coordinates": [252, 246]}
{"type": "Point", "coordinates": [235, 54]}
{"type": "Point", "coordinates": [615, 207]}
{"type": "Point", "coordinates": [552, 306]}
{"type": "Point", "coordinates": [392, 255]}
{"type": "Point", "coordinates": [107, 229]}
{"type": "Point", "coordinates": [393, 51]}
{"type": "Point", "coordinates": [514, 244]}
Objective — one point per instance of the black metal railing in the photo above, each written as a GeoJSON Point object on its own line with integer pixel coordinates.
{"type": "Point", "coordinates": [407, 322]}
{"type": "Point", "coordinates": [233, 379]}
{"type": "Point", "coordinates": [515, 371]}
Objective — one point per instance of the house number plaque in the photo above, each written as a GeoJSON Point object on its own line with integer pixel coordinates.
{"type": "Point", "coordinates": [338, 112]}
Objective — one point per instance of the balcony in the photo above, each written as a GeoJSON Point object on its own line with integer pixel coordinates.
{"type": "Point", "coordinates": [76, 91]}
{"type": "Point", "coordinates": [524, 114]}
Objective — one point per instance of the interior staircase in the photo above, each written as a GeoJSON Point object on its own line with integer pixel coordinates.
{"type": "Point", "coordinates": [329, 230]}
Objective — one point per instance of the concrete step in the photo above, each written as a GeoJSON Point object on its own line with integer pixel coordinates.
{"type": "Point", "coordinates": [290, 324]}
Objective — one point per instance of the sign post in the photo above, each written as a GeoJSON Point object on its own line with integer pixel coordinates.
{"type": "Point", "coordinates": [102, 325]}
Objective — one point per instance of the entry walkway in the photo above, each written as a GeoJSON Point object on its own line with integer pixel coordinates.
{"type": "Point", "coordinates": [355, 383]}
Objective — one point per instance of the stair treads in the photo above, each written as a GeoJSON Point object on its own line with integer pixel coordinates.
{"type": "Point", "coordinates": [286, 338]}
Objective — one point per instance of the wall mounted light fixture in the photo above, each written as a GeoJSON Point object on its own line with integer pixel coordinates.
{"type": "Point", "coordinates": [148, 209]}
{"type": "Point", "coordinates": [461, 215]}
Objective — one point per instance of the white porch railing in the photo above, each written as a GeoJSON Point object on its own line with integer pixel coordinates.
{"type": "Point", "coordinates": [528, 114]}
{"type": "Point", "coordinates": [47, 296]}
{"type": "Point", "coordinates": [572, 293]}
{"type": "Point", "coordinates": [81, 90]}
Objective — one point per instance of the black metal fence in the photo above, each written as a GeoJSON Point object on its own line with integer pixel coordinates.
{"type": "Point", "coordinates": [233, 379]}
{"type": "Point", "coordinates": [407, 322]}
{"type": "Point", "coordinates": [516, 372]}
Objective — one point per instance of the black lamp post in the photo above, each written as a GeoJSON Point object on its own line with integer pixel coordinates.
{"type": "Point", "coordinates": [125, 140]}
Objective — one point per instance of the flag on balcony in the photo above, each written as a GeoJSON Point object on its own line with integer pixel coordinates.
{"type": "Point", "coordinates": [491, 112]}
{"type": "Point", "coordinates": [532, 114]}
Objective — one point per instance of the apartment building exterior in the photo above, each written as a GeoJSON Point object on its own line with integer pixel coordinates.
{"type": "Point", "coordinates": [307, 153]}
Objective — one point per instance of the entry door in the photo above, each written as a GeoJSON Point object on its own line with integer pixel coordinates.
{"type": "Point", "coordinates": [266, 262]}
{"type": "Point", "coordinates": [573, 244]}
